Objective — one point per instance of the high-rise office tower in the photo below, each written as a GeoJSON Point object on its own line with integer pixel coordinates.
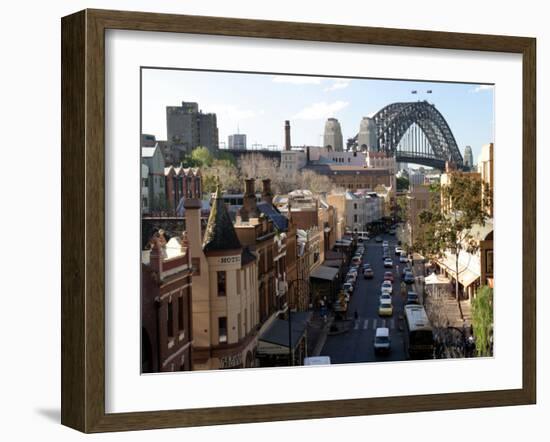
{"type": "Point", "coordinates": [468, 157]}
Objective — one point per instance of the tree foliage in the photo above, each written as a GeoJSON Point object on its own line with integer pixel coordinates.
{"type": "Point", "coordinates": [447, 225]}
{"type": "Point", "coordinates": [402, 183]}
{"type": "Point", "coordinates": [482, 320]}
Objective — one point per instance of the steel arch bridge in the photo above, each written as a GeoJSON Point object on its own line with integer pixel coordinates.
{"type": "Point", "coordinates": [415, 132]}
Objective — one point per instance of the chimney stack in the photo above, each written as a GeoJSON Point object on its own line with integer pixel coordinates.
{"type": "Point", "coordinates": [249, 209]}
{"type": "Point", "coordinates": [287, 135]}
{"type": "Point", "coordinates": [267, 194]}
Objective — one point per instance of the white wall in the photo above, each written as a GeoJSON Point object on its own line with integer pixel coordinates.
{"type": "Point", "coordinates": [30, 381]}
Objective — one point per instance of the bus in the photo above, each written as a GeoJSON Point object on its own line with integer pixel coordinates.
{"type": "Point", "coordinates": [419, 338]}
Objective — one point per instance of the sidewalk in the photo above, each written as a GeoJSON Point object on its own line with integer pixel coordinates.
{"type": "Point", "coordinates": [317, 332]}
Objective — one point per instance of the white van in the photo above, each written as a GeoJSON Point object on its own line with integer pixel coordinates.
{"type": "Point", "coordinates": [382, 340]}
{"type": "Point", "coordinates": [317, 360]}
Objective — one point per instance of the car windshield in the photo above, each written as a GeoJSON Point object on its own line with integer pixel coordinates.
{"type": "Point", "coordinates": [381, 339]}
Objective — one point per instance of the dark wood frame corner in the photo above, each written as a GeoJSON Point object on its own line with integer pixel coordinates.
{"type": "Point", "coordinates": [83, 217]}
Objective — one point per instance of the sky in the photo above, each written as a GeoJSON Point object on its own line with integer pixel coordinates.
{"type": "Point", "coordinates": [258, 104]}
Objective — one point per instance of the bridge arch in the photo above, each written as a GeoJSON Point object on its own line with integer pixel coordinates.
{"type": "Point", "coordinates": [415, 132]}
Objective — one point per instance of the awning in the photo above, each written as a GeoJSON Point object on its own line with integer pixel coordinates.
{"type": "Point", "coordinates": [275, 339]}
{"type": "Point", "coordinates": [435, 279]}
{"type": "Point", "coordinates": [324, 272]}
{"type": "Point", "coordinates": [466, 275]}
{"type": "Point", "coordinates": [336, 263]}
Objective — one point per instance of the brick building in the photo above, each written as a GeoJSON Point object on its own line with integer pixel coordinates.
{"type": "Point", "coordinates": [166, 298]}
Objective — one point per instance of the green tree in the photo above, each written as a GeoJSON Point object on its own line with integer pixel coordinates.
{"type": "Point", "coordinates": [447, 225]}
{"type": "Point", "coordinates": [402, 183]}
{"type": "Point", "coordinates": [482, 320]}
{"type": "Point", "coordinates": [202, 157]}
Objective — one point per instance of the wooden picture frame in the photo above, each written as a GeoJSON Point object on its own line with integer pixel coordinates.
{"type": "Point", "coordinates": [83, 219]}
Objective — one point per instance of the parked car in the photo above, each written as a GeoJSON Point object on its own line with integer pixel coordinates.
{"type": "Point", "coordinates": [403, 257]}
{"type": "Point", "coordinates": [388, 263]}
{"type": "Point", "coordinates": [348, 287]}
{"type": "Point", "coordinates": [408, 278]}
{"type": "Point", "coordinates": [398, 250]}
{"type": "Point", "coordinates": [388, 276]}
{"type": "Point", "coordinates": [352, 276]}
{"type": "Point", "coordinates": [384, 296]}
{"type": "Point", "coordinates": [387, 286]}
{"type": "Point", "coordinates": [392, 232]}
{"type": "Point", "coordinates": [378, 238]}
{"type": "Point", "coordinates": [366, 265]}
{"type": "Point", "coordinates": [385, 243]}
{"type": "Point", "coordinates": [368, 273]}
{"type": "Point", "coordinates": [356, 260]}
{"type": "Point", "coordinates": [382, 341]}
{"type": "Point", "coordinates": [412, 298]}
{"type": "Point", "coordinates": [385, 308]}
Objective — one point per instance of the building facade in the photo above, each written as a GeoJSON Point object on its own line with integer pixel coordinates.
{"type": "Point", "coordinates": [153, 159]}
{"type": "Point", "coordinates": [187, 127]}
{"type": "Point", "coordinates": [468, 157]}
{"type": "Point", "coordinates": [181, 183]}
{"type": "Point", "coordinates": [166, 305]}
{"type": "Point", "coordinates": [354, 177]}
{"type": "Point", "coordinates": [236, 142]}
{"type": "Point", "coordinates": [366, 138]}
{"type": "Point", "coordinates": [332, 137]}
{"type": "Point", "coordinates": [225, 278]}
{"type": "Point", "coordinates": [485, 169]}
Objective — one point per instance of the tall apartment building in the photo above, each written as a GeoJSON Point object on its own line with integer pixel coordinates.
{"type": "Point", "coordinates": [189, 127]}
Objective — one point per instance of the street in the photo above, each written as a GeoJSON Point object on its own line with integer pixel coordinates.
{"type": "Point", "coordinates": [356, 345]}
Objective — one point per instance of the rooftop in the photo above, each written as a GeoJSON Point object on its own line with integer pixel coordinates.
{"type": "Point", "coordinates": [220, 233]}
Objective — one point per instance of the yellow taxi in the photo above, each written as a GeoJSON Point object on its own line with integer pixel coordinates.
{"type": "Point", "coordinates": [385, 308]}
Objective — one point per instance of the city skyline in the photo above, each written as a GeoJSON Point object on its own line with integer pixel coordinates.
{"type": "Point", "coordinates": [258, 104]}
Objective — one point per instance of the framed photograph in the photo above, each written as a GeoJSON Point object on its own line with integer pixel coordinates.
{"type": "Point", "coordinates": [268, 221]}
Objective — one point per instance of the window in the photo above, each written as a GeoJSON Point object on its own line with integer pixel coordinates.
{"type": "Point", "coordinates": [221, 283]}
{"type": "Point", "coordinates": [222, 330]}
{"type": "Point", "coordinates": [355, 206]}
{"type": "Point", "coordinates": [239, 276]}
{"type": "Point", "coordinates": [354, 218]}
{"type": "Point", "coordinates": [180, 313]}
{"type": "Point", "coordinates": [170, 321]}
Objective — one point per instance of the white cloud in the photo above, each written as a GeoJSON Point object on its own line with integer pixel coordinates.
{"type": "Point", "coordinates": [296, 79]}
{"type": "Point", "coordinates": [321, 110]}
{"type": "Point", "coordinates": [338, 84]}
{"type": "Point", "coordinates": [483, 87]}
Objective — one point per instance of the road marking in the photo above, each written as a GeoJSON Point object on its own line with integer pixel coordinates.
{"type": "Point", "coordinates": [374, 321]}
{"type": "Point", "coordinates": [392, 324]}
{"type": "Point", "coordinates": [365, 324]}
{"type": "Point", "coordinates": [356, 326]}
